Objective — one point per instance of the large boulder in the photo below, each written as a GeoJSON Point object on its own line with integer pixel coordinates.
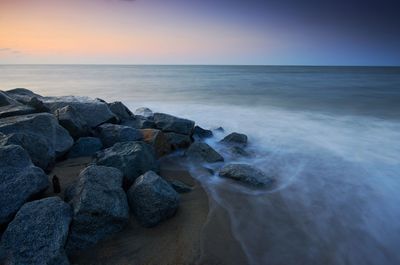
{"type": "Point", "coordinates": [22, 95]}
{"type": "Point", "coordinates": [6, 100]}
{"type": "Point", "coordinates": [38, 233]}
{"type": "Point", "coordinates": [69, 118]}
{"type": "Point", "coordinates": [85, 146]}
{"type": "Point", "coordinates": [178, 141]}
{"type": "Point", "coordinates": [139, 122]}
{"type": "Point", "coordinates": [120, 110]}
{"type": "Point", "coordinates": [200, 133]}
{"type": "Point", "coordinates": [144, 112]}
{"type": "Point", "coordinates": [132, 158]}
{"type": "Point", "coordinates": [111, 134]}
{"type": "Point", "coordinates": [152, 199]}
{"type": "Point", "coordinates": [158, 140]}
{"type": "Point", "coordinates": [43, 126]}
{"type": "Point", "coordinates": [93, 111]}
{"type": "Point", "coordinates": [20, 181]}
{"type": "Point", "coordinates": [203, 152]}
{"type": "Point", "coordinates": [169, 123]}
{"type": "Point", "coordinates": [42, 155]}
{"type": "Point", "coordinates": [235, 139]}
{"type": "Point", "coordinates": [246, 174]}
{"type": "Point", "coordinates": [10, 107]}
{"type": "Point", "coordinates": [100, 207]}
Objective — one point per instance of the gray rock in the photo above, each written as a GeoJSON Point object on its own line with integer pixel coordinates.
{"type": "Point", "coordinates": [20, 181]}
{"type": "Point", "coordinates": [179, 186]}
{"type": "Point", "coordinates": [120, 110]}
{"type": "Point", "coordinates": [200, 133]}
{"type": "Point", "coordinates": [152, 199]}
{"type": "Point", "coordinates": [157, 140]}
{"type": "Point", "coordinates": [178, 141]}
{"type": "Point", "coordinates": [41, 154]}
{"type": "Point", "coordinates": [85, 146]}
{"type": "Point", "coordinates": [72, 121]}
{"type": "Point", "coordinates": [5, 100]}
{"type": "Point", "coordinates": [246, 174]}
{"type": "Point", "coordinates": [139, 122]}
{"type": "Point", "coordinates": [132, 158]}
{"type": "Point", "coordinates": [43, 126]}
{"type": "Point", "coordinates": [111, 134]}
{"type": "Point", "coordinates": [238, 151]}
{"type": "Point", "coordinates": [22, 95]}
{"type": "Point", "coordinates": [235, 139]}
{"type": "Point", "coordinates": [100, 207]}
{"type": "Point", "coordinates": [38, 233]}
{"type": "Point", "coordinates": [10, 107]}
{"type": "Point", "coordinates": [94, 112]}
{"type": "Point", "coordinates": [144, 112]}
{"type": "Point", "coordinates": [203, 152]}
{"type": "Point", "coordinates": [37, 104]}
{"type": "Point", "coordinates": [169, 123]}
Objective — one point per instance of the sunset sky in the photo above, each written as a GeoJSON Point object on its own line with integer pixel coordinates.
{"type": "Point", "coordinates": [311, 32]}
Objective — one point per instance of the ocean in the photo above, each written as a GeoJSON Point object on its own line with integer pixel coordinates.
{"type": "Point", "coordinates": [330, 136]}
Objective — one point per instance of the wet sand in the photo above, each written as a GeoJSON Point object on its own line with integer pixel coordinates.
{"type": "Point", "coordinates": [199, 233]}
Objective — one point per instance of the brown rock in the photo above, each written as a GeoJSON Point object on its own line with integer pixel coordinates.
{"type": "Point", "coordinates": [158, 140]}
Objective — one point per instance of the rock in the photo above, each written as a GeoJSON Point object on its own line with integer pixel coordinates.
{"type": "Point", "coordinates": [178, 141]}
{"type": "Point", "coordinates": [152, 199]}
{"type": "Point", "coordinates": [20, 181]}
{"type": "Point", "coordinates": [111, 134]}
{"type": "Point", "coordinates": [37, 104]}
{"type": "Point", "coordinates": [158, 140]}
{"type": "Point", "coordinates": [10, 107]}
{"type": "Point", "coordinates": [72, 121]}
{"type": "Point", "coordinates": [235, 139]}
{"type": "Point", "coordinates": [144, 112]}
{"type": "Point", "coordinates": [219, 129]}
{"type": "Point", "coordinates": [22, 95]}
{"type": "Point", "coordinates": [70, 191]}
{"type": "Point", "coordinates": [203, 152]}
{"type": "Point", "coordinates": [5, 100]}
{"type": "Point", "coordinates": [94, 112]}
{"type": "Point", "coordinates": [41, 154]}
{"type": "Point", "coordinates": [38, 233]}
{"type": "Point", "coordinates": [139, 122]}
{"type": "Point", "coordinates": [85, 146]}
{"type": "Point", "coordinates": [169, 123]}
{"type": "Point", "coordinates": [179, 186]}
{"type": "Point", "coordinates": [44, 126]}
{"type": "Point", "coordinates": [238, 151]}
{"type": "Point", "coordinates": [200, 133]}
{"type": "Point", "coordinates": [120, 110]}
{"type": "Point", "coordinates": [132, 158]}
{"type": "Point", "coordinates": [100, 207]}
{"type": "Point", "coordinates": [246, 174]}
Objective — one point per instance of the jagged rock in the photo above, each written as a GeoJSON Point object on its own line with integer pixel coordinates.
{"type": "Point", "coordinates": [235, 139]}
{"type": "Point", "coordinates": [246, 174]}
{"type": "Point", "coordinates": [139, 122]}
{"type": "Point", "coordinates": [100, 207]}
{"type": "Point", "coordinates": [38, 233]}
{"type": "Point", "coordinates": [111, 134]}
{"type": "Point", "coordinates": [41, 154]}
{"type": "Point", "coordinates": [20, 181]}
{"type": "Point", "coordinates": [179, 186]}
{"type": "Point", "coordinates": [152, 199]}
{"type": "Point", "coordinates": [203, 152]}
{"type": "Point", "coordinates": [169, 123]}
{"type": "Point", "coordinates": [120, 110]}
{"type": "Point", "coordinates": [72, 121]}
{"type": "Point", "coordinates": [158, 140]}
{"type": "Point", "coordinates": [132, 158]}
{"type": "Point", "coordinates": [144, 112]}
{"type": "Point", "coordinates": [44, 126]}
{"type": "Point", "coordinates": [200, 133]}
{"type": "Point", "coordinates": [93, 111]}
{"type": "Point", "coordinates": [85, 146]}
{"type": "Point", "coordinates": [178, 141]}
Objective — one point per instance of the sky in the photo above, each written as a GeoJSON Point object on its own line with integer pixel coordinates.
{"type": "Point", "coordinates": [266, 32]}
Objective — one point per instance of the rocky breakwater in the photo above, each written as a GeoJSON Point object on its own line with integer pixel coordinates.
{"type": "Point", "coordinates": [123, 180]}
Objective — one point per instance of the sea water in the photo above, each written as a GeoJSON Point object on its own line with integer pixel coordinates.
{"type": "Point", "coordinates": [330, 136]}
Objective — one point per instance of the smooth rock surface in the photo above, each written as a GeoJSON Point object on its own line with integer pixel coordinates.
{"type": "Point", "coordinates": [169, 123]}
{"type": "Point", "coordinates": [38, 233]}
{"type": "Point", "coordinates": [69, 118]}
{"type": "Point", "coordinates": [20, 181]}
{"type": "Point", "coordinates": [22, 95]}
{"type": "Point", "coordinates": [246, 174]}
{"type": "Point", "coordinates": [85, 146]}
{"type": "Point", "coordinates": [111, 134]}
{"type": "Point", "coordinates": [152, 199]}
{"type": "Point", "coordinates": [100, 207]}
{"type": "Point", "coordinates": [132, 158]}
{"type": "Point", "coordinates": [199, 151]}
{"type": "Point", "coordinates": [235, 139]}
